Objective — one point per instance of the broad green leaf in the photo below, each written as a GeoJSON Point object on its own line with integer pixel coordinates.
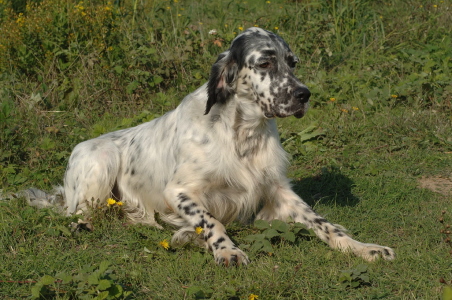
{"type": "Point", "coordinates": [362, 268]}
{"type": "Point", "coordinates": [364, 277]}
{"type": "Point", "coordinates": [116, 291]}
{"type": "Point", "coordinates": [101, 296]}
{"type": "Point", "coordinates": [280, 226]}
{"type": "Point", "coordinates": [290, 236]}
{"type": "Point", "coordinates": [104, 284]}
{"type": "Point", "coordinates": [256, 246]}
{"type": "Point", "coordinates": [261, 224]}
{"type": "Point", "coordinates": [46, 280]}
{"type": "Point", "coordinates": [269, 233]}
{"type": "Point", "coordinates": [103, 266]}
{"type": "Point", "coordinates": [93, 278]}
{"type": "Point", "coordinates": [36, 291]}
{"type": "Point", "coordinates": [267, 246]}
{"type": "Point", "coordinates": [255, 237]}
{"type": "Point", "coordinates": [345, 276]}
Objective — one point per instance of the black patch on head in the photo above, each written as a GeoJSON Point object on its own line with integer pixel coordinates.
{"type": "Point", "coordinates": [252, 60]}
{"type": "Point", "coordinates": [222, 75]}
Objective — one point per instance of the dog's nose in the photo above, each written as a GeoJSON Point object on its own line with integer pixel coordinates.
{"type": "Point", "coordinates": [302, 94]}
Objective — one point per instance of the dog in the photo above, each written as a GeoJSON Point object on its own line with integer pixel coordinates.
{"type": "Point", "coordinates": [216, 158]}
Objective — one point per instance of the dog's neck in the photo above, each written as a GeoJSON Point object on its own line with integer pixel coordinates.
{"type": "Point", "coordinates": [250, 128]}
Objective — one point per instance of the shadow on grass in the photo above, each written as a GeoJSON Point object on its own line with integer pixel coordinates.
{"type": "Point", "coordinates": [330, 186]}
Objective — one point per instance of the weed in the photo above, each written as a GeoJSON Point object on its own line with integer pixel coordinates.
{"type": "Point", "coordinates": [91, 283]}
{"type": "Point", "coordinates": [379, 74]}
{"type": "Point", "coordinates": [354, 278]}
{"type": "Point", "coordinates": [274, 231]}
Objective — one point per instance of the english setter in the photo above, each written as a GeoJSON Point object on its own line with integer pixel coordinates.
{"type": "Point", "coordinates": [216, 158]}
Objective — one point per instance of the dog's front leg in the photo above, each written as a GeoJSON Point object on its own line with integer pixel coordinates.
{"type": "Point", "coordinates": [285, 204]}
{"type": "Point", "coordinates": [186, 205]}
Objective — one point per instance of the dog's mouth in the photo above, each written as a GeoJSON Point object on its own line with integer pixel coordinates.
{"type": "Point", "coordinates": [297, 111]}
{"type": "Point", "coordinates": [297, 114]}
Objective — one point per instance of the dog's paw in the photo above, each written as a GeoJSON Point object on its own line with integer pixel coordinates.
{"type": "Point", "coordinates": [231, 257]}
{"type": "Point", "coordinates": [372, 252]}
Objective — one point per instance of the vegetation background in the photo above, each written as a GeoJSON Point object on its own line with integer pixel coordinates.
{"type": "Point", "coordinates": [374, 152]}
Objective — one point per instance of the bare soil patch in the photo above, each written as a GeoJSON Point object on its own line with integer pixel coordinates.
{"type": "Point", "coordinates": [438, 184]}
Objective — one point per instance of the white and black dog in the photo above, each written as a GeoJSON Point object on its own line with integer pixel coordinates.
{"type": "Point", "coordinates": [216, 158]}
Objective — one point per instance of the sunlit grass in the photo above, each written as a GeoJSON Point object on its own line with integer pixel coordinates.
{"type": "Point", "coordinates": [379, 73]}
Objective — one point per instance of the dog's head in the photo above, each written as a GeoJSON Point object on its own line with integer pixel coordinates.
{"type": "Point", "coordinates": [259, 67]}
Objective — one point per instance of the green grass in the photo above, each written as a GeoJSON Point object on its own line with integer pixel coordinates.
{"type": "Point", "coordinates": [72, 70]}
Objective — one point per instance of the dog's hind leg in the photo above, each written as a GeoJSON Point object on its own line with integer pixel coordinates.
{"type": "Point", "coordinates": [91, 173]}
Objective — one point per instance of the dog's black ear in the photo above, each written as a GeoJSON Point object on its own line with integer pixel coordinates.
{"type": "Point", "coordinates": [221, 85]}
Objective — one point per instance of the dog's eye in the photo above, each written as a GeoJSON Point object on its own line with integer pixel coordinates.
{"type": "Point", "coordinates": [264, 65]}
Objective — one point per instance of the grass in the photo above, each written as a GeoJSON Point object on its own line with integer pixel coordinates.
{"type": "Point", "coordinates": [379, 125]}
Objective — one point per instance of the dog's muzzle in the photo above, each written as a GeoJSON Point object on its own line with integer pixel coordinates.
{"type": "Point", "coordinates": [302, 94]}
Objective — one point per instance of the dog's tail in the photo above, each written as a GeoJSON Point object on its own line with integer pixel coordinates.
{"type": "Point", "coordinates": [40, 199]}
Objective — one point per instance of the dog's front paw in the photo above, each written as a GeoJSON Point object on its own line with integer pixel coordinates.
{"type": "Point", "coordinates": [372, 252]}
{"type": "Point", "coordinates": [231, 257]}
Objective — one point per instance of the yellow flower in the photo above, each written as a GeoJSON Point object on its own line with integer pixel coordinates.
{"type": "Point", "coordinates": [241, 28]}
{"type": "Point", "coordinates": [164, 244]}
{"type": "Point", "coordinates": [276, 28]}
{"type": "Point", "coordinates": [394, 96]}
{"type": "Point", "coordinates": [355, 108]}
{"type": "Point", "coordinates": [198, 230]}
{"type": "Point", "coordinates": [110, 201]}
{"type": "Point", "coordinates": [119, 203]}
{"type": "Point", "coordinates": [253, 297]}
{"type": "Point", "coordinates": [344, 110]}
{"type": "Point", "coordinates": [332, 99]}
{"type": "Point", "coordinates": [179, 15]}
{"type": "Point", "coordinates": [268, 2]}
{"type": "Point", "coordinates": [435, 6]}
